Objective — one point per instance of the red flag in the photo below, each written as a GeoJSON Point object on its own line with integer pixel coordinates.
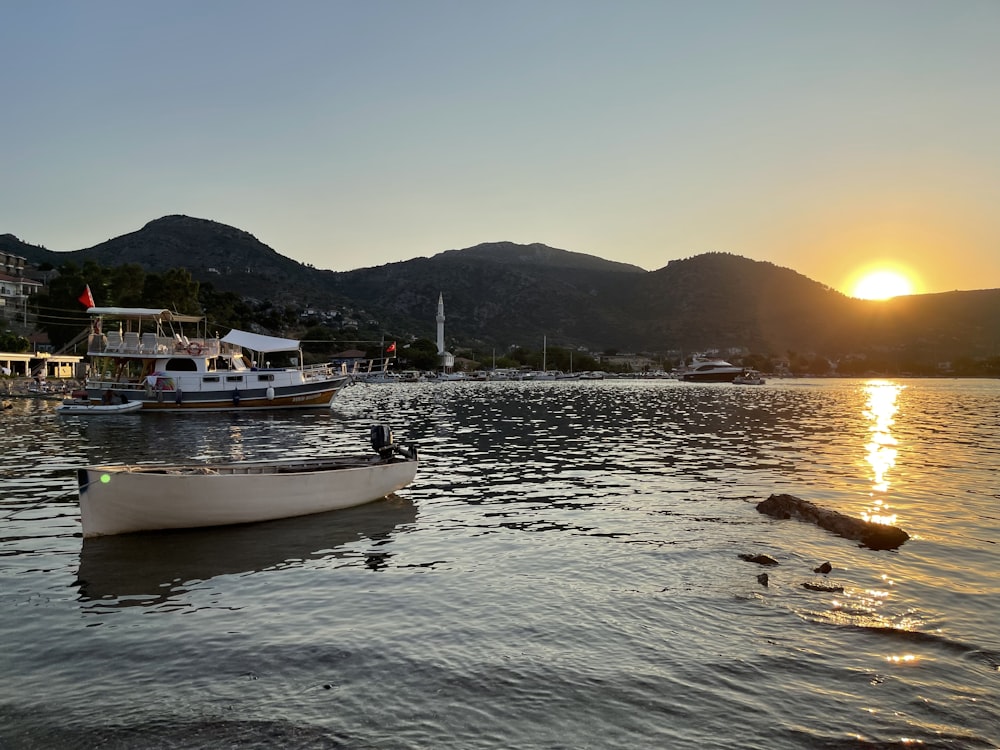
{"type": "Point", "coordinates": [391, 347]}
{"type": "Point", "coordinates": [87, 299]}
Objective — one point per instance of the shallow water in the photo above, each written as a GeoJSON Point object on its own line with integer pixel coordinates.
{"type": "Point", "coordinates": [564, 573]}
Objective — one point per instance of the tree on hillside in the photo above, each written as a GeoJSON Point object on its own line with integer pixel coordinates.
{"type": "Point", "coordinates": [127, 283]}
{"type": "Point", "coordinates": [420, 354]}
{"type": "Point", "coordinates": [224, 309]}
{"type": "Point", "coordinates": [58, 309]}
{"type": "Point", "coordinates": [11, 342]}
{"type": "Point", "coordinates": [173, 290]}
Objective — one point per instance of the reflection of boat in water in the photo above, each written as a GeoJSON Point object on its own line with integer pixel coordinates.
{"type": "Point", "coordinates": [152, 567]}
{"type": "Point", "coordinates": [122, 498]}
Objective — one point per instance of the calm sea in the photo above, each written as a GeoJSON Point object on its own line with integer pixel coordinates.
{"type": "Point", "coordinates": [564, 573]}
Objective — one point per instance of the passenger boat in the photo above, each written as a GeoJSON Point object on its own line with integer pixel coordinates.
{"type": "Point", "coordinates": [121, 498]}
{"type": "Point", "coordinates": [146, 355]}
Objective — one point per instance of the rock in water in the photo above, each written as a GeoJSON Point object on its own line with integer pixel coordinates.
{"type": "Point", "coordinates": [872, 535]}
{"type": "Point", "coordinates": [759, 559]}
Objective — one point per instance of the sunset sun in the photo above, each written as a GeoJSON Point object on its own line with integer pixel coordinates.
{"type": "Point", "coordinates": [882, 284]}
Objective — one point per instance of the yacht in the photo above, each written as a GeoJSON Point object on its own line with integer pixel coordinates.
{"type": "Point", "coordinates": [711, 371]}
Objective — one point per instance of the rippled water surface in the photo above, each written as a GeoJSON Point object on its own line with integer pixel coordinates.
{"type": "Point", "coordinates": [564, 573]}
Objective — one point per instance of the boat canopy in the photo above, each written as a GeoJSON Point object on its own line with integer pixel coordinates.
{"type": "Point", "coordinates": [132, 313]}
{"type": "Point", "coordinates": [259, 343]}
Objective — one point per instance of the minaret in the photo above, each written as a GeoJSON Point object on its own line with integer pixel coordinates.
{"type": "Point", "coordinates": [440, 323]}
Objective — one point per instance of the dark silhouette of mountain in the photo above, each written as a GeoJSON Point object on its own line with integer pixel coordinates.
{"type": "Point", "coordinates": [499, 294]}
{"type": "Point", "coordinates": [228, 258]}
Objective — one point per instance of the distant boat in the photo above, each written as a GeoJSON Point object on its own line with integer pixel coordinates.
{"type": "Point", "coordinates": [749, 377]}
{"type": "Point", "coordinates": [504, 374]}
{"type": "Point", "coordinates": [146, 355]}
{"type": "Point", "coordinates": [117, 499]}
{"type": "Point", "coordinates": [710, 371]}
{"type": "Point", "coordinates": [536, 375]}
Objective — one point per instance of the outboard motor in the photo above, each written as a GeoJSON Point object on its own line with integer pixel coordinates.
{"type": "Point", "coordinates": [382, 440]}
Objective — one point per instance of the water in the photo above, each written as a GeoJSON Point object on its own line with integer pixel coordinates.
{"type": "Point", "coordinates": [564, 573]}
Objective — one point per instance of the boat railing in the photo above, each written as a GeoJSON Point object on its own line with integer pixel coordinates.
{"type": "Point", "coordinates": [322, 371]}
{"type": "Point", "coordinates": [150, 344]}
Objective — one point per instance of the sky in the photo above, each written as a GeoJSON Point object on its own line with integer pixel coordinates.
{"type": "Point", "coordinates": [826, 137]}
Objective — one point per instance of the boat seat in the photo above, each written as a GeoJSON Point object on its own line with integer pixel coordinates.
{"type": "Point", "coordinates": [148, 343]}
{"type": "Point", "coordinates": [114, 341]}
{"type": "Point", "coordinates": [131, 341]}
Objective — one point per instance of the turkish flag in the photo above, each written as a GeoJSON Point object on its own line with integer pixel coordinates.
{"type": "Point", "coordinates": [391, 347]}
{"type": "Point", "coordinates": [87, 299]}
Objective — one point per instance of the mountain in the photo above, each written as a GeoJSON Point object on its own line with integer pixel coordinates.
{"type": "Point", "coordinates": [500, 293]}
{"type": "Point", "coordinates": [228, 258]}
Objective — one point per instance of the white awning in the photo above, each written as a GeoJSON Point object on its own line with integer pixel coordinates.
{"type": "Point", "coordinates": [131, 313]}
{"type": "Point", "coordinates": [259, 343]}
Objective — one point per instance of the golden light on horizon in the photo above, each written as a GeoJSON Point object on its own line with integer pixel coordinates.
{"type": "Point", "coordinates": [882, 284]}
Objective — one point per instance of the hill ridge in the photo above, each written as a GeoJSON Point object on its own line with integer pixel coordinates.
{"type": "Point", "coordinates": [504, 293]}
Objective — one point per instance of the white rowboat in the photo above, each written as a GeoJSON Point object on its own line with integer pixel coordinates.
{"type": "Point", "coordinates": [79, 406]}
{"type": "Point", "coordinates": [117, 499]}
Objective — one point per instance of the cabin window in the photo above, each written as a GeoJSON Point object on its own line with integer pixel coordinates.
{"type": "Point", "coordinates": [181, 365]}
{"type": "Point", "coordinates": [211, 379]}
{"type": "Point", "coordinates": [265, 377]}
{"type": "Point", "coordinates": [231, 378]}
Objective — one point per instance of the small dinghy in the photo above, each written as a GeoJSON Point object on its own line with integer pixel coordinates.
{"type": "Point", "coordinates": [117, 499]}
{"type": "Point", "coordinates": [83, 406]}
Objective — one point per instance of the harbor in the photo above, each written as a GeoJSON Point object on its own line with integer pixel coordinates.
{"type": "Point", "coordinates": [566, 550]}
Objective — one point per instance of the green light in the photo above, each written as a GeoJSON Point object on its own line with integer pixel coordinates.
{"type": "Point", "coordinates": [105, 478]}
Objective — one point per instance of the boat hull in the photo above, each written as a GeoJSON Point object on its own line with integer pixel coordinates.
{"type": "Point", "coordinates": [199, 398]}
{"type": "Point", "coordinates": [92, 409]}
{"type": "Point", "coordinates": [118, 499]}
{"type": "Point", "coordinates": [710, 377]}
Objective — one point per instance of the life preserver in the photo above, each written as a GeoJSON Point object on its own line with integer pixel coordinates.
{"type": "Point", "coordinates": [194, 348]}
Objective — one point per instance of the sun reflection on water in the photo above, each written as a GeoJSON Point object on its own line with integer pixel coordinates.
{"type": "Point", "coordinates": [880, 410]}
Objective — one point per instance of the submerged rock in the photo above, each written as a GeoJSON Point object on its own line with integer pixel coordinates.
{"type": "Point", "coordinates": [824, 568]}
{"type": "Point", "coordinates": [762, 579]}
{"type": "Point", "coordinates": [872, 535]}
{"type": "Point", "coordinates": [759, 559]}
{"type": "Point", "coordinates": [830, 588]}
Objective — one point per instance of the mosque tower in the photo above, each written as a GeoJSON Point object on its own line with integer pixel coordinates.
{"type": "Point", "coordinates": [440, 322]}
{"type": "Point", "coordinates": [446, 360]}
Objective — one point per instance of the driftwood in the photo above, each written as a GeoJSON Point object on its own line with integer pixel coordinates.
{"type": "Point", "coordinates": [872, 535]}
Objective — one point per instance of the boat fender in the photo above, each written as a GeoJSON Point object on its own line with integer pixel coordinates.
{"type": "Point", "coordinates": [270, 393]}
{"type": "Point", "coordinates": [236, 397]}
{"type": "Point", "coordinates": [382, 440]}
{"type": "Point", "coordinates": [178, 396]}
